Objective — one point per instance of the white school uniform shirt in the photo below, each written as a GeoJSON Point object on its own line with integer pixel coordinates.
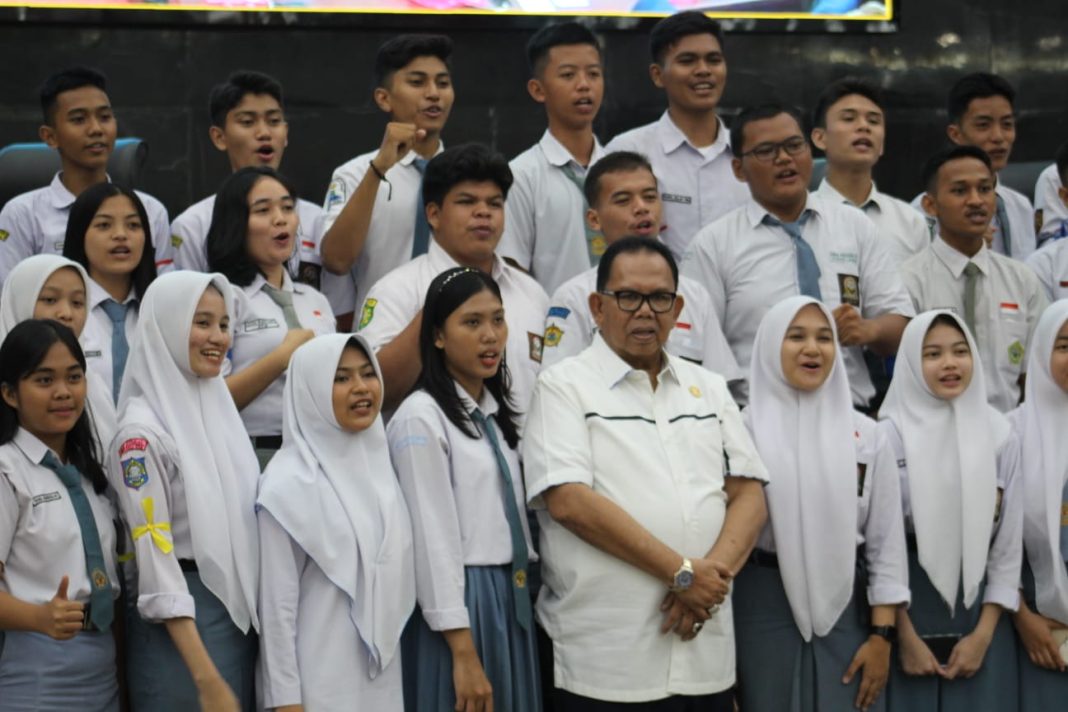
{"type": "Point", "coordinates": [189, 235]}
{"type": "Point", "coordinates": [905, 232]}
{"type": "Point", "coordinates": [454, 492]}
{"type": "Point", "coordinates": [697, 336]}
{"type": "Point", "coordinates": [1021, 221]}
{"type": "Point", "coordinates": [748, 267]}
{"type": "Point", "coordinates": [1050, 264]}
{"type": "Point", "coordinates": [392, 229]}
{"type": "Point", "coordinates": [545, 214]}
{"type": "Point", "coordinates": [394, 301]}
{"type": "Point", "coordinates": [1048, 201]}
{"type": "Point", "coordinates": [697, 184]}
{"type": "Point", "coordinates": [96, 336]}
{"type": "Point", "coordinates": [661, 455]}
{"type": "Point", "coordinates": [36, 222]}
{"type": "Point", "coordinates": [259, 326]}
{"type": "Point", "coordinates": [1008, 301]}
{"type": "Point", "coordinates": [40, 538]}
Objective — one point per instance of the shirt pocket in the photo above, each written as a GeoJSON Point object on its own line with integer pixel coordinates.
{"type": "Point", "coordinates": [1012, 346]}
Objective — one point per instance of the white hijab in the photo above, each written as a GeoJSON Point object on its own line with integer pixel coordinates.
{"type": "Point", "coordinates": [951, 454]}
{"type": "Point", "coordinates": [1042, 424]}
{"type": "Point", "coordinates": [807, 441]}
{"type": "Point", "coordinates": [17, 303]}
{"type": "Point", "coordinates": [337, 496]}
{"type": "Point", "coordinates": [215, 458]}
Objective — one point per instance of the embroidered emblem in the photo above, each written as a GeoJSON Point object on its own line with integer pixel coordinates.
{"type": "Point", "coordinates": [100, 579]}
{"type": "Point", "coordinates": [176, 241]}
{"type": "Point", "coordinates": [4, 234]}
{"type": "Point", "coordinates": [598, 245]}
{"type": "Point", "coordinates": [695, 391]}
{"type": "Point", "coordinates": [368, 312]}
{"type": "Point", "coordinates": [552, 336]}
{"type": "Point", "coordinates": [559, 312]}
{"type": "Point", "coordinates": [521, 578]}
{"type": "Point", "coordinates": [1016, 353]}
{"type": "Point", "coordinates": [335, 194]}
{"type": "Point", "coordinates": [535, 343]}
{"type": "Point", "coordinates": [134, 472]}
{"type": "Point", "coordinates": [133, 444]}
{"type": "Point", "coordinates": [153, 529]}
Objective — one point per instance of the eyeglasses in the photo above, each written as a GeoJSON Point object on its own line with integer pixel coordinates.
{"type": "Point", "coordinates": [768, 152]}
{"type": "Point", "coordinates": [631, 301]}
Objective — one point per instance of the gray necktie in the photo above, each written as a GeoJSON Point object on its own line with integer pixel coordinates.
{"type": "Point", "coordinates": [285, 300]}
{"type": "Point", "coordinates": [421, 236]}
{"type": "Point", "coordinates": [1003, 225]}
{"type": "Point", "coordinates": [120, 348]}
{"type": "Point", "coordinates": [808, 269]}
{"type": "Point", "coordinates": [595, 242]}
{"type": "Point", "coordinates": [971, 277]}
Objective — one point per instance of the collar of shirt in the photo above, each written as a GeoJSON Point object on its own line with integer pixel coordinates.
{"type": "Point", "coordinates": [671, 137]}
{"type": "Point", "coordinates": [440, 260]}
{"type": "Point", "coordinates": [615, 369]}
{"type": "Point", "coordinates": [956, 261]}
{"type": "Point", "coordinates": [755, 212]}
{"type": "Point", "coordinates": [30, 445]}
{"type": "Point", "coordinates": [828, 191]}
{"type": "Point", "coordinates": [558, 156]}
{"type": "Point", "coordinates": [62, 198]}
{"type": "Point", "coordinates": [98, 295]}
{"type": "Point", "coordinates": [260, 281]}
{"type": "Point", "coordinates": [487, 403]}
{"type": "Point", "coordinates": [407, 158]}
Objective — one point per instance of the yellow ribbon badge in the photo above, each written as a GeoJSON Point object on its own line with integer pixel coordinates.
{"type": "Point", "coordinates": [150, 527]}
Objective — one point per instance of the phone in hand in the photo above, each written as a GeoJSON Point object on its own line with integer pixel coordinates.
{"type": "Point", "coordinates": [941, 646]}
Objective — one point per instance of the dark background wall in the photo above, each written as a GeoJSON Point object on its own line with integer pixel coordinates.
{"type": "Point", "coordinates": [162, 67]}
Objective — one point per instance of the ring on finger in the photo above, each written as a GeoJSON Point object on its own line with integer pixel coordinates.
{"type": "Point", "coordinates": [697, 627]}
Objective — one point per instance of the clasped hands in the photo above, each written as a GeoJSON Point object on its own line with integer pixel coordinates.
{"type": "Point", "coordinates": [685, 612]}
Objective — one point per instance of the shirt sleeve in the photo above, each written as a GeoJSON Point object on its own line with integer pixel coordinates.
{"type": "Point", "coordinates": [161, 236]}
{"type": "Point", "coordinates": [281, 565]}
{"type": "Point", "coordinates": [567, 329]}
{"type": "Point", "coordinates": [385, 312]}
{"type": "Point", "coordinates": [342, 185]}
{"type": "Point", "coordinates": [9, 516]}
{"type": "Point", "coordinates": [1041, 263]}
{"type": "Point", "coordinates": [1005, 559]}
{"type": "Point", "coordinates": [739, 451]}
{"type": "Point", "coordinates": [520, 232]}
{"type": "Point", "coordinates": [884, 530]}
{"type": "Point", "coordinates": [190, 248]}
{"type": "Point", "coordinates": [17, 238]}
{"type": "Point", "coordinates": [421, 457]}
{"type": "Point", "coordinates": [556, 442]}
{"type": "Point", "coordinates": [1036, 304]}
{"type": "Point", "coordinates": [139, 468]}
{"type": "Point", "coordinates": [882, 288]}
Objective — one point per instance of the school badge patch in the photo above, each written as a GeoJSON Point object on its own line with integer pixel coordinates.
{"type": "Point", "coordinates": [4, 234]}
{"type": "Point", "coordinates": [552, 336]}
{"type": "Point", "coordinates": [1016, 353]}
{"type": "Point", "coordinates": [134, 472]}
{"type": "Point", "coordinates": [598, 245]}
{"type": "Point", "coordinates": [176, 241]}
{"type": "Point", "coordinates": [335, 194]}
{"type": "Point", "coordinates": [368, 312]}
{"type": "Point", "coordinates": [100, 579]}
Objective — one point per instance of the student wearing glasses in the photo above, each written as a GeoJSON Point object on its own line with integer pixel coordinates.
{"type": "Point", "coordinates": [785, 242]}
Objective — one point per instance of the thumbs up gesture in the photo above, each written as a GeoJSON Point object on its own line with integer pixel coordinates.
{"type": "Point", "coordinates": [61, 618]}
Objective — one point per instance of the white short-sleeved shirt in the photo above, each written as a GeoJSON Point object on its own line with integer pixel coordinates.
{"type": "Point", "coordinates": [906, 233]}
{"type": "Point", "coordinates": [454, 492]}
{"type": "Point", "coordinates": [662, 456]}
{"type": "Point", "coordinates": [392, 229]}
{"type": "Point", "coordinates": [1048, 201]}
{"type": "Point", "coordinates": [748, 267]}
{"type": "Point", "coordinates": [259, 326]}
{"type": "Point", "coordinates": [1050, 263]}
{"type": "Point", "coordinates": [394, 301]}
{"type": "Point", "coordinates": [545, 225]}
{"type": "Point", "coordinates": [1008, 301]}
{"type": "Point", "coordinates": [40, 538]}
{"type": "Point", "coordinates": [1021, 222]}
{"type": "Point", "coordinates": [189, 235]}
{"type": "Point", "coordinates": [697, 336]}
{"type": "Point", "coordinates": [35, 223]}
{"type": "Point", "coordinates": [697, 184]}
{"type": "Point", "coordinates": [96, 336]}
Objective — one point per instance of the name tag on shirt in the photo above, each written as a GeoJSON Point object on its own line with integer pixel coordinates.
{"type": "Point", "coordinates": [259, 325]}
{"type": "Point", "coordinates": [847, 257]}
{"type": "Point", "coordinates": [49, 497]}
{"type": "Point", "coordinates": [673, 198]}
{"type": "Point", "coordinates": [92, 354]}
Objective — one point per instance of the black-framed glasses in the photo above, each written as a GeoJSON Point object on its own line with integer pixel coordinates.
{"type": "Point", "coordinates": [768, 152]}
{"type": "Point", "coordinates": [630, 301]}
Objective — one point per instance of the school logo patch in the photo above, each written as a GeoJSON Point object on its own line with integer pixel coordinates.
{"type": "Point", "coordinates": [368, 312]}
{"type": "Point", "coordinates": [134, 472]}
{"type": "Point", "coordinates": [1016, 353]}
{"type": "Point", "coordinates": [535, 343]}
{"type": "Point", "coordinates": [335, 194]}
{"type": "Point", "coordinates": [176, 241]}
{"type": "Point", "coordinates": [133, 444]}
{"type": "Point", "coordinates": [4, 234]}
{"type": "Point", "coordinates": [552, 336]}
{"type": "Point", "coordinates": [100, 579]}
{"type": "Point", "coordinates": [598, 245]}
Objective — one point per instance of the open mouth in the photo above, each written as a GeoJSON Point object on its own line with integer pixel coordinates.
{"type": "Point", "coordinates": [121, 252]}
{"type": "Point", "coordinates": [265, 152]}
{"type": "Point", "coordinates": [282, 239]}
{"type": "Point", "coordinates": [489, 359]}
{"type": "Point", "coordinates": [362, 406]}
{"type": "Point", "coordinates": [812, 367]}
{"type": "Point", "coordinates": [433, 112]}
{"type": "Point", "coordinates": [703, 87]}
{"type": "Point", "coordinates": [787, 176]}
{"type": "Point", "coordinates": [97, 148]}
{"type": "Point", "coordinates": [977, 216]}
{"type": "Point", "coordinates": [213, 355]}
{"type": "Point", "coordinates": [863, 144]}
{"type": "Point", "coordinates": [643, 227]}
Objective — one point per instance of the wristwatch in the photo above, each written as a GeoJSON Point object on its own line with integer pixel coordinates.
{"type": "Point", "coordinates": [683, 578]}
{"type": "Point", "coordinates": [886, 632]}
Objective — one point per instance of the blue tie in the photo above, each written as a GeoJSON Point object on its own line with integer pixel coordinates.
{"type": "Point", "coordinates": [120, 349]}
{"type": "Point", "coordinates": [101, 602]}
{"type": "Point", "coordinates": [595, 242]}
{"type": "Point", "coordinates": [808, 269]}
{"type": "Point", "coordinates": [1003, 225]}
{"type": "Point", "coordinates": [520, 555]}
{"type": "Point", "coordinates": [421, 236]}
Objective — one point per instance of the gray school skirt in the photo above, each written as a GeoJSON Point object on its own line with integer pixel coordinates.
{"type": "Point", "coordinates": [1041, 690]}
{"type": "Point", "coordinates": [41, 674]}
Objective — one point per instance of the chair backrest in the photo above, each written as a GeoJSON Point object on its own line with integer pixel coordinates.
{"type": "Point", "coordinates": [26, 166]}
{"type": "Point", "coordinates": [819, 169]}
{"type": "Point", "coordinates": [1023, 176]}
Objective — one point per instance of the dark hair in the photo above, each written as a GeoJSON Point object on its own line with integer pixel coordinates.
{"type": "Point", "coordinates": [759, 113]}
{"type": "Point", "coordinates": [615, 162]}
{"type": "Point", "coordinates": [979, 85]}
{"type": "Point", "coordinates": [629, 245]}
{"type": "Point", "coordinates": [25, 346]}
{"type": "Point", "coordinates": [947, 320]}
{"type": "Point", "coordinates": [67, 80]}
{"type": "Point", "coordinates": [226, 96]}
{"type": "Point", "coordinates": [397, 52]}
{"type": "Point", "coordinates": [469, 161]}
{"type": "Point", "coordinates": [446, 294]}
{"type": "Point", "coordinates": [228, 235]}
{"type": "Point", "coordinates": [935, 162]}
{"type": "Point", "coordinates": [556, 35]}
{"type": "Point", "coordinates": [1061, 159]}
{"type": "Point", "coordinates": [667, 33]}
{"type": "Point", "coordinates": [81, 217]}
{"type": "Point", "coordinates": [840, 89]}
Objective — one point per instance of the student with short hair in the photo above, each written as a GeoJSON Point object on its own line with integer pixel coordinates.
{"type": "Point", "coordinates": [982, 113]}
{"type": "Point", "coordinates": [546, 233]}
{"type": "Point", "coordinates": [688, 146]}
{"type": "Point", "coordinates": [1051, 213]}
{"type": "Point", "coordinates": [998, 297]}
{"type": "Point", "coordinates": [374, 218]}
{"type": "Point", "coordinates": [1050, 262]}
{"type": "Point", "coordinates": [849, 126]}
{"type": "Point", "coordinates": [79, 123]}
{"type": "Point", "coordinates": [248, 123]}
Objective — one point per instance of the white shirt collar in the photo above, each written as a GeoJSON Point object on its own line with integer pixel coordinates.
{"type": "Point", "coordinates": [440, 260]}
{"type": "Point", "coordinates": [956, 261]}
{"type": "Point", "coordinates": [486, 403]}
{"type": "Point", "coordinates": [755, 212]}
{"type": "Point", "coordinates": [62, 198]}
{"type": "Point", "coordinates": [98, 295]}
{"type": "Point", "coordinates": [615, 369]}
{"type": "Point", "coordinates": [259, 282]}
{"type": "Point", "coordinates": [558, 156]}
{"type": "Point", "coordinates": [672, 137]}
{"type": "Point", "coordinates": [407, 158]}
{"type": "Point", "coordinates": [874, 197]}
{"type": "Point", "coordinates": [31, 446]}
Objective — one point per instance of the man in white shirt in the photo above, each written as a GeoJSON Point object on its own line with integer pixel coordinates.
{"type": "Point", "coordinates": [849, 126]}
{"type": "Point", "coordinates": [785, 242]}
{"type": "Point", "coordinates": [546, 233]}
{"type": "Point", "coordinates": [464, 192]}
{"type": "Point", "coordinates": [649, 495]}
{"type": "Point", "coordinates": [80, 124]}
{"type": "Point", "coordinates": [982, 114]}
{"type": "Point", "coordinates": [688, 146]}
{"type": "Point", "coordinates": [371, 228]}
{"type": "Point", "coordinates": [1051, 199]}
{"type": "Point", "coordinates": [999, 298]}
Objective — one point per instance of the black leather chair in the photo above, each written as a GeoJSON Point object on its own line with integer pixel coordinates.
{"type": "Point", "coordinates": [1023, 176]}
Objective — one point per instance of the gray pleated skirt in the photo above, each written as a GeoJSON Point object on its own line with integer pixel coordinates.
{"type": "Point", "coordinates": [1041, 690]}
{"type": "Point", "coordinates": [41, 674]}
{"type": "Point", "coordinates": [994, 688]}
{"type": "Point", "coordinates": [777, 670]}
{"type": "Point", "coordinates": [159, 680]}
{"type": "Point", "coordinates": [508, 653]}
